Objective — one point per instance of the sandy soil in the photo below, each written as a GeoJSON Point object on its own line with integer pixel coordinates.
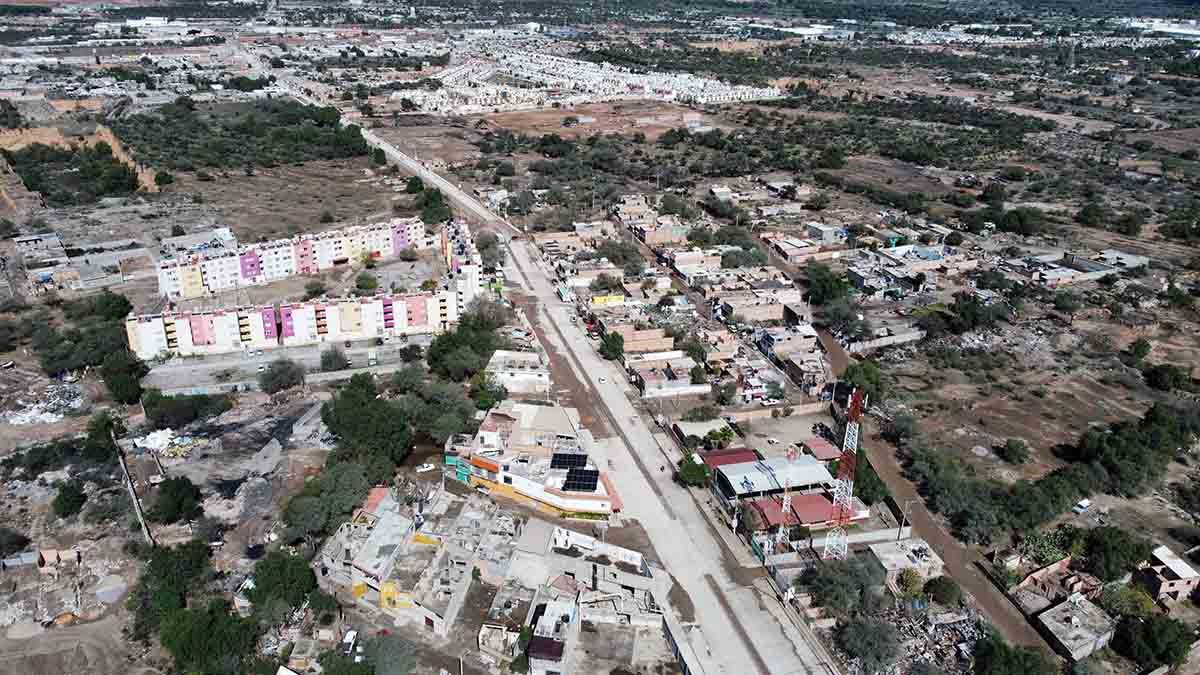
{"type": "Point", "coordinates": [286, 200]}
{"type": "Point", "coordinates": [94, 648]}
{"type": "Point", "coordinates": [652, 118]}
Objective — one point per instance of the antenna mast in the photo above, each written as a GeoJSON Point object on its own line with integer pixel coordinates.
{"type": "Point", "coordinates": [837, 542]}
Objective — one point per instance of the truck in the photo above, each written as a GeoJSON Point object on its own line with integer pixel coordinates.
{"type": "Point", "coordinates": [372, 357]}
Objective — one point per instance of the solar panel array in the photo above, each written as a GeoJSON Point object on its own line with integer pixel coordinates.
{"type": "Point", "coordinates": [581, 480]}
{"type": "Point", "coordinates": [568, 460]}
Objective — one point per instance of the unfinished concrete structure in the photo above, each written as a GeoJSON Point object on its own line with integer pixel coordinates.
{"type": "Point", "coordinates": [1077, 628]}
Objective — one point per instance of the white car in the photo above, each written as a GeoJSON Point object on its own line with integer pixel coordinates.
{"type": "Point", "coordinates": [262, 367]}
{"type": "Point", "coordinates": [426, 468]}
{"type": "Point", "coordinates": [772, 441]}
{"type": "Point", "coordinates": [603, 380]}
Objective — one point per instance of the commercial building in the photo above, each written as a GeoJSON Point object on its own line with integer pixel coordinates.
{"type": "Point", "coordinates": [203, 271]}
{"type": "Point", "coordinates": [734, 483]}
{"type": "Point", "coordinates": [1077, 628]}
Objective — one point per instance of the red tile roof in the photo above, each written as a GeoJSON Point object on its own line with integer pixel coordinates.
{"type": "Point", "coordinates": [811, 509]}
{"type": "Point", "coordinates": [375, 496]}
{"type": "Point", "coordinates": [821, 449]}
{"type": "Point", "coordinates": [718, 458]}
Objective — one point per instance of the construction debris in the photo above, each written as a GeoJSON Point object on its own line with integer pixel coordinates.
{"type": "Point", "coordinates": [57, 401]}
{"type": "Point", "coordinates": [165, 443]}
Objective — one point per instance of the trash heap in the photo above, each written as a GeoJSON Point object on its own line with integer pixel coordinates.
{"type": "Point", "coordinates": [166, 443]}
{"type": "Point", "coordinates": [57, 401]}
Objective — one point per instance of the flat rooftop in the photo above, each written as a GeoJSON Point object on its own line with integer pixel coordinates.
{"type": "Point", "coordinates": [900, 555]}
{"type": "Point", "coordinates": [1076, 623]}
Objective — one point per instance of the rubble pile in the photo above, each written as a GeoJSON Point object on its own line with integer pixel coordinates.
{"type": "Point", "coordinates": [57, 401]}
{"type": "Point", "coordinates": [166, 443]}
{"type": "Point", "coordinates": [943, 638]}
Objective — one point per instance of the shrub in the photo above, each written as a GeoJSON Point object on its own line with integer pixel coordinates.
{"type": "Point", "coordinates": [944, 591]}
{"type": "Point", "coordinates": [281, 374]}
{"type": "Point", "coordinates": [178, 499]}
{"type": "Point", "coordinates": [69, 500]}
{"type": "Point", "coordinates": [334, 359]}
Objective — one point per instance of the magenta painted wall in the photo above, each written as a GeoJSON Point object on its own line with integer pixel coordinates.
{"type": "Point", "coordinates": [268, 319]}
{"type": "Point", "coordinates": [285, 315]}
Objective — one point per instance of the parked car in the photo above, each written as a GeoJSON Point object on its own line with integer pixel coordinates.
{"type": "Point", "coordinates": [426, 468]}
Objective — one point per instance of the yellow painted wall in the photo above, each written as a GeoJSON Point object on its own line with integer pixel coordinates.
{"type": "Point", "coordinates": [191, 281]}
{"type": "Point", "coordinates": [600, 300]}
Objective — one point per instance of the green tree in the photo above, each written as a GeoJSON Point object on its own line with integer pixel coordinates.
{"type": "Point", "coordinates": [11, 541]}
{"type": "Point", "coordinates": [867, 377]}
{"type": "Point", "coordinates": [414, 186]}
{"type": "Point", "coordinates": [840, 585]}
{"type": "Point", "coordinates": [612, 346]}
{"type": "Point", "coordinates": [366, 283]}
{"type": "Point", "coordinates": [379, 157]}
{"type": "Point", "coordinates": [69, 500]}
{"type": "Point", "coordinates": [824, 286]}
{"type": "Point", "coordinates": [211, 640]}
{"type": "Point", "coordinates": [101, 429]}
{"type": "Point", "coordinates": [283, 576]}
{"type": "Point", "coordinates": [698, 374]}
{"type": "Point", "coordinates": [162, 178]}
{"type": "Point", "coordinates": [178, 499]}
{"type": "Point", "coordinates": [1014, 451]}
{"type": "Point", "coordinates": [122, 372]}
{"type": "Point", "coordinates": [1131, 601]}
{"type": "Point", "coordinates": [365, 424]}
{"type": "Point", "coordinates": [306, 517]}
{"type": "Point", "coordinates": [993, 656]}
{"type": "Point", "coordinates": [1111, 552]}
{"type": "Point", "coordinates": [909, 583]}
{"type": "Point", "coordinates": [314, 289]}
{"type": "Point", "coordinates": [692, 471]}
{"type": "Point", "coordinates": [944, 591]}
{"type": "Point", "coordinates": [281, 374]}
{"type": "Point", "coordinates": [334, 359]}
{"type": "Point", "coordinates": [1139, 349]}
{"type": "Point", "coordinates": [874, 642]}
{"type": "Point", "coordinates": [1154, 641]}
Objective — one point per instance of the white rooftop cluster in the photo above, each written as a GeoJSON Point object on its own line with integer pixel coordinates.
{"type": "Point", "coordinates": [478, 83]}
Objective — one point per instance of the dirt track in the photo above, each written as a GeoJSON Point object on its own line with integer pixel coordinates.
{"type": "Point", "coordinates": [95, 648]}
{"type": "Point", "coordinates": [961, 561]}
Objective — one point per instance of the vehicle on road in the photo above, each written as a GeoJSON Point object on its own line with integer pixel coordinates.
{"type": "Point", "coordinates": [7, 364]}
{"type": "Point", "coordinates": [772, 441]}
{"type": "Point", "coordinates": [426, 468]}
{"type": "Point", "coordinates": [603, 380]}
{"type": "Point", "coordinates": [262, 367]}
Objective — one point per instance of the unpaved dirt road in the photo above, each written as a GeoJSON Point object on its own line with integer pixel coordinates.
{"type": "Point", "coordinates": [95, 648]}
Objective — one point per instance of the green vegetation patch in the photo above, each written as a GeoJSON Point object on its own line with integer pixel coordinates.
{"type": "Point", "coordinates": [184, 137]}
{"type": "Point", "coordinates": [72, 176]}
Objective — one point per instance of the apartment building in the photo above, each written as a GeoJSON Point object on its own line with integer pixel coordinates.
{"type": "Point", "coordinates": [199, 333]}
{"type": "Point", "coordinates": [293, 324]}
{"type": "Point", "coordinates": [202, 272]}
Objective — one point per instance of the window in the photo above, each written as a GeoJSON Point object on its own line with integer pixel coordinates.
{"type": "Point", "coordinates": [508, 480]}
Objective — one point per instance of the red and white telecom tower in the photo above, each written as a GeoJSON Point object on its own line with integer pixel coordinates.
{"type": "Point", "coordinates": [836, 542]}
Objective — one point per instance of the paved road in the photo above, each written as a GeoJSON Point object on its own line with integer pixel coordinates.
{"type": "Point", "coordinates": [732, 615]}
{"type": "Point", "coordinates": [744, 636]}
{"type": "Point", "coordinates": [199, 374]}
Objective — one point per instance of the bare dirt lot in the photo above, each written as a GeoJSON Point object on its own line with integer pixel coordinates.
{"type": "Point", "coordinates": [287, 200]}
{"type": "Point", "coordinates": [891, 174]}
{"type": "Point", "coordinates": [652, 118]}
{"type": "Point", "coordinates": [1172, 140]}
{"type": "Point", "coordinates": [446, 144]}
